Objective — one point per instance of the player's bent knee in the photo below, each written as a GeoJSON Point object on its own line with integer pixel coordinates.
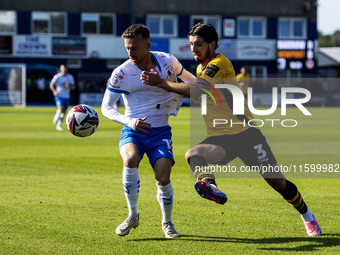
{"type": "Point", "coordinates": [163, 181]}
{"type": "Point", "coordinates": [162, 178]}
{"type": "Point", "coordinates": [130, 162]}
{"type": "Point", "coordinates": [187, 155]}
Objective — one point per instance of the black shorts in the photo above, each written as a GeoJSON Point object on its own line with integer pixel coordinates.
{"type": "Point", "coordinates": [250, 146]}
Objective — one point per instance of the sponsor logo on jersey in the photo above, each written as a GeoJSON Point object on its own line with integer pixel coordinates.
{"type": "Point", "coordinates": [211, 70]}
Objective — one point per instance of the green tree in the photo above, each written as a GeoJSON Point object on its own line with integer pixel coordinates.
{"type": "Point", "coordinates": [331, 40]}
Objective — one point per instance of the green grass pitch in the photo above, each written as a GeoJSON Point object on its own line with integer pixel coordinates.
{"type": "Point", "coordinates": [60, 194]}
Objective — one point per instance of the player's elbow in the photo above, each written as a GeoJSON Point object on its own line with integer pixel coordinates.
{"type": "Point", "coordinates": [104, 108]}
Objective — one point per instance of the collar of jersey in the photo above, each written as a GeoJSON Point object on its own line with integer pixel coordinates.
{"type": "Point", "coordinates": [156, 60]}
{"type": "Point", "coordinates": [210, 61]}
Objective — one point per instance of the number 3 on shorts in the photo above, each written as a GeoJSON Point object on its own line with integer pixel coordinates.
{"type": "Point", "coordinates": [262, 153]}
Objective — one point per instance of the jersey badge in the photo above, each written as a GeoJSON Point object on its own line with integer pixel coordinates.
{"type": "Point", "coordinates": [117, 79]}
{"type": "Point", "coordinates": [170, 71]}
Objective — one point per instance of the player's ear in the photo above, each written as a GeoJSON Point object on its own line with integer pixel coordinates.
{"type": "Point", "coordinates": [148, 45]}
{"type": "Point", "coordinates": [212, 45]}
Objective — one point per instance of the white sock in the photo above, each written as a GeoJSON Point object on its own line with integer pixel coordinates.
{"type": "Point", "coordinates": [56, 116]}
{"type": "Point", "coordinates": [165, 200]}
{"type": "Point", "coordinates": [131, 184]}
{"type": "Point", "coordinates": [308, 216]}
{"type": "Point", "coordinates": [61, 119]}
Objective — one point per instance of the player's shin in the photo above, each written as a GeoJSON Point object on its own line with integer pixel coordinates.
{"type": "Point", "coordinates": [61, 119]}
{"type": "Point", "coordinates": [56, 117]}
{"type": "Point", "coordinates": [292, 195]}
{"type": "Point", "coordinates": [201, 170]}
{"type": "Point", "coordinates": [131, 185]}
{"type": "Point", "coordinates": [165, 200]}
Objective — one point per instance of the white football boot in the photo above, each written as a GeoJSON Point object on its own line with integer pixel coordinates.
{"type": "Point", "coordinates": [124, 228]}
{"type": "Point", "coordinates": [169, 230]}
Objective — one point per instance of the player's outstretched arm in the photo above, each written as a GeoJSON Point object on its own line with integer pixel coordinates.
{"type": "Point", "coordinates": [110, 112]}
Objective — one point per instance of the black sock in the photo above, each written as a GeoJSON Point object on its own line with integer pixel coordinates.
{"type": "Point", "coordinates": [292, 195]}
{"type": "Point", "coordinates": [201, 170]}
{"type": "Point", "coordinates": [197, 162]}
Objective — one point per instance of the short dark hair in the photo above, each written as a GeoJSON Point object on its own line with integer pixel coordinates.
{"type": "Point", "coordinates": [206, 31]}
{"type": "Point", "coordinates": [136, 29]}
{"type": "Point", "coordinates": [66, 67]}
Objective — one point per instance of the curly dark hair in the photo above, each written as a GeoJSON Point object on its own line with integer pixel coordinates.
{"type": "Point", "coordinates": [206, 31]}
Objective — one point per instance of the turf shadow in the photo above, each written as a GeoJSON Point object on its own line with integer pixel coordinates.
{"type": "Point", "coordinates": [310, 243]}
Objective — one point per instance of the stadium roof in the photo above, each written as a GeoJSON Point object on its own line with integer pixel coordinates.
{"type": "Point", "coordinates": [329, 56]}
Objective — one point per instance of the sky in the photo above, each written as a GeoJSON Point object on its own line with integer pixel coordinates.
{"type": "Point", "coordinates": [328, 16]}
